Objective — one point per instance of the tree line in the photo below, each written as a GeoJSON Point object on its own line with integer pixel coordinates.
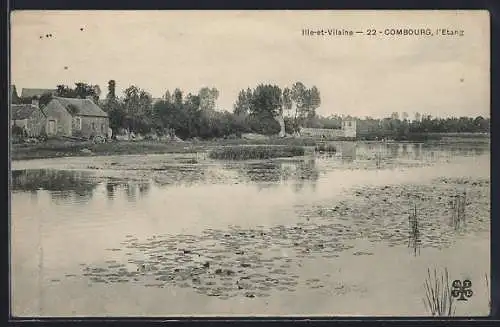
{"type": "Point", "coordinates": [266, 109]}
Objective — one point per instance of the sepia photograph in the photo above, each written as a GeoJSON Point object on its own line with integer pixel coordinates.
{"type": "Point", "coordinates": [191, 163]}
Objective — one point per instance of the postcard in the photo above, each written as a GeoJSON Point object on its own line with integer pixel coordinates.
{"type": "Point", "coordinates": [250, 163]}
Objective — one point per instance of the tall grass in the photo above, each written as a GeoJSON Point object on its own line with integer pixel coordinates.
{"type": "Point", "coordinates": [325, 147]}
{"type": "Point", "coordinates": [256, 152]}
{"type": "Point", "coordinates": [458, 211]}
{"type": "Point", "coordinates": [438, 300]}
{"type": "Point", "coordinates": [414, 231]}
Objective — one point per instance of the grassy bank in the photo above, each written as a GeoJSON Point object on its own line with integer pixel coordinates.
{"type": "Point", "coordinates": [256, 152]}
{"type": "Point", "coordinates": [69, 149]}
{"type": "Point", "coordinates": [63, 148]}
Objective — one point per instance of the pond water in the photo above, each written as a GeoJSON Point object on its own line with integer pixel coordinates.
{"type": "Point", "coordinates": [184, 235]}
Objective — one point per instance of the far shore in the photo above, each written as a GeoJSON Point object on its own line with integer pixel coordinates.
{"type": "Point", "coordinates": [62, 148]}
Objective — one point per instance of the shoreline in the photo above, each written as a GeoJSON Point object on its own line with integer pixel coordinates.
{"type": "Point", "coordinates": [60, 149]}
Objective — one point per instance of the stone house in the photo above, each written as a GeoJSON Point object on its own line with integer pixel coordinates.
{"type": "Point", "coordinates": [75, 117]}
{"type": "Point", "coordinates": [29, 117]}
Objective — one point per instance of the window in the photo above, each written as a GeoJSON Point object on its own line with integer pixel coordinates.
{"type": "Point", "coordinates": [102, 128]}
{"type": "Point", "coordinates": [348, 124]}
{"type": "Point", "coordinates": [78, 123]}
{"type": "Point", "coordinates": [93, 126]}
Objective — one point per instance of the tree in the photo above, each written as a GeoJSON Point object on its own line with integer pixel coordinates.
{"type": "Point", "coordinates": [178, 97]}
{"type": "Point", "coordinates": [266, 104]}
{"type": "Point", "coordinates": [208, 98]}
{"type": "Point", "coordinates": [287, 99]}
{"type": "Point", "coordinates": [167, 97]}
{"type": "Point", "coordinates": [65, 91]}
{"type": "Point", "coordinates": [298, 96]}
{"type": "Point", "coordinates": [138, 109]}
{"type": "Point", "coordinates": [304, 104]}
{"type": "Point", "coordinates": [81, 91]}
{"type": "Point", "coordinates": [242, 105]}
{"type": "Point", "coordinates": [111, 96]}
{"type": "Point", "coordinates": [312, 102]}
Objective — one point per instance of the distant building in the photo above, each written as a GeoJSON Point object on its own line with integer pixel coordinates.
{"type": "Point", "coordinates": [30, 93]}
{"type": "Point", "coordinates": [349, 127]}
{"type": "Point", "coordinates": [75, 117]}
{"type": "Point", "coordinates": [347, 131]}
{"type": "Point", "coordinates": [29, 117]}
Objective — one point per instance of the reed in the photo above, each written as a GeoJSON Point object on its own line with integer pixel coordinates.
{"type": "Point", "coordinates": [458, 211]}
{"type": "Point", "coordinates": [438, 300]}
{"type": "Point", "coordinates": [256, 152]}
{"type": "Point", "coordinates": [414, 231]}
{"type": "Point", "coordinates": [378, 160]}
{"type": "Point", "coordinates": [325, 147]}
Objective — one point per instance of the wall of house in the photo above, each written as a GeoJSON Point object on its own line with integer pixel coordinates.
{"type": "Point", "coordinates": [55, 111]}
{"type": "Point", "coordinates": [19, 122]}
{"type": "Point", "coordinates": [90, 126]}
{"type": "Point", "coordinates": [36, 123]}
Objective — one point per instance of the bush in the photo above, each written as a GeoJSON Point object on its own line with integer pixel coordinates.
{"type": "Point", "coordinates": [256, 152]}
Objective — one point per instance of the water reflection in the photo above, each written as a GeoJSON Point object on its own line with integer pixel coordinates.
{"type": "Point", "coordinates": [59, 183]}
{"type": "Point", "coordinates": [132, 189]}
{"type": "Point", "coordinates": [80, 186]}
{"type": "Point", "coordinates": [267, 174]}
{"type": "Point", "coordinates": [413, 151]}
{"type": "Point", "coordinates": [349, 152]}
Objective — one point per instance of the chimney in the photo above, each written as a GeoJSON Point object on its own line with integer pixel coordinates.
{"type": "Point", "coordinates": [35, 102]}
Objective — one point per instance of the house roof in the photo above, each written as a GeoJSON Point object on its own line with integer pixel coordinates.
{"type": "Point", "coordinates": [22, 111]}
{"type": "Point", "coordinates": [29, 93]}
{"type": "Point", "coordinates": [81, 107]}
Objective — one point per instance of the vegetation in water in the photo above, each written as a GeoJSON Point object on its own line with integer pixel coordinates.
{"type": "Point", "coordinates": [256, 152]}
{"type": "Point", "coordinates": [438, 299]}
{"type": "Point", "coordinates": [458, 211]}
{"type": "Point", "coordinates": [325, 147]}
{"type": "Point", "coordinates": [414, 235]}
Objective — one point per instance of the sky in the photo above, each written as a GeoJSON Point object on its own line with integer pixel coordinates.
{"type": "Point", "coordinates": [359, 75]}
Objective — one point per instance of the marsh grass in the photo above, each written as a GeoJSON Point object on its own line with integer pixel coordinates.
{"type": "Point", "coordinates": [64, 147]}
{"type": "Point", "coordinates": [325, 147]}
{"type": "Point", "coordinates": [458, 211]}
{"type": "Point", "coordinates": [414, 231]}
{"type": "Point", "coordinates": [438, 300]}
{"type": "Point", "coordinates": [378, 160]}
{"type": "Point", "coordinates": [255, 152]}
